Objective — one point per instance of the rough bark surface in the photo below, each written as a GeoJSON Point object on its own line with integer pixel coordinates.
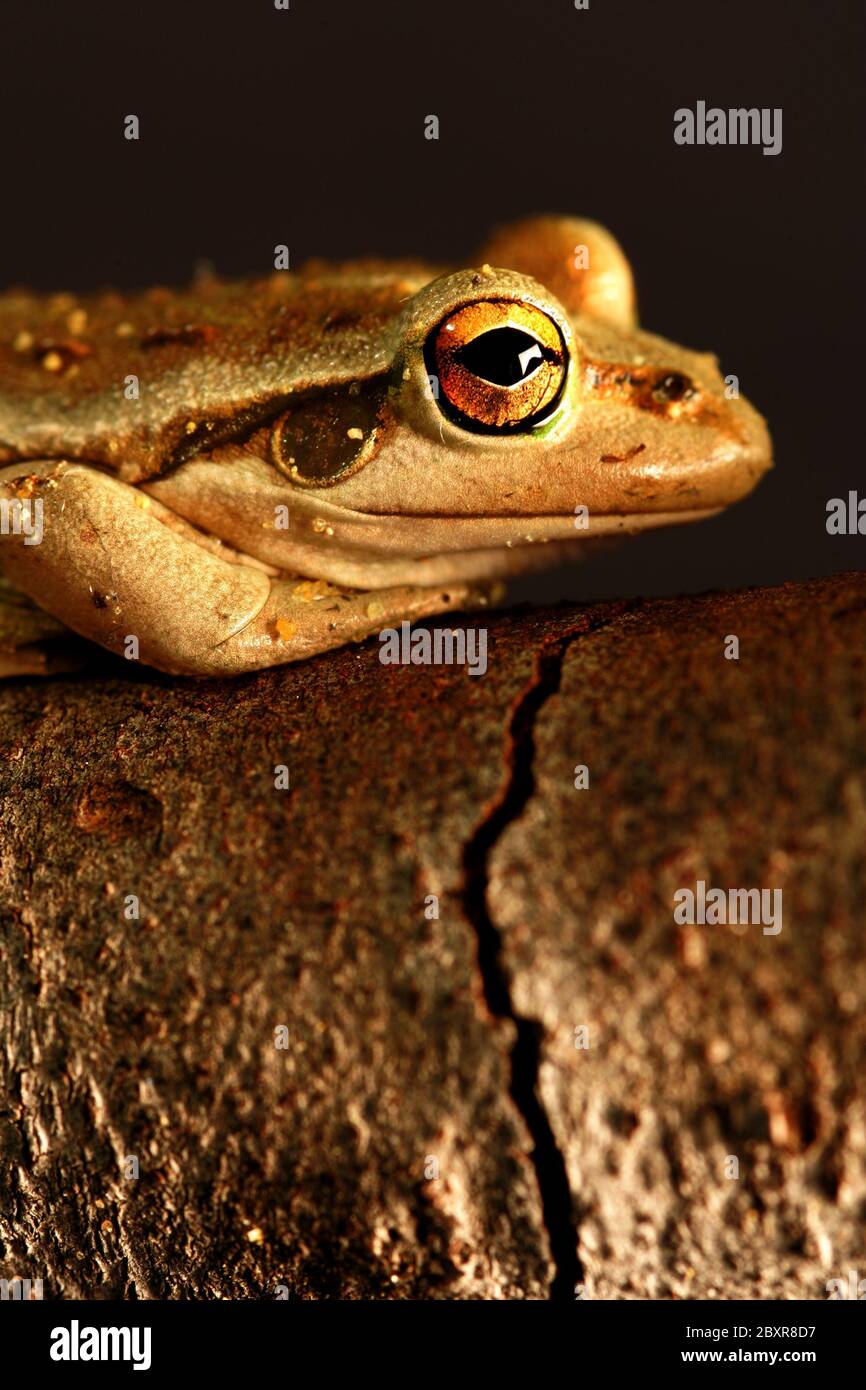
{"type": "Point", "coordinates": [445, 1045]}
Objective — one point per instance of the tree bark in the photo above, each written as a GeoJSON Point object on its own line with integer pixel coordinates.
{"type": "Point", "coordinates": [286, 1076]}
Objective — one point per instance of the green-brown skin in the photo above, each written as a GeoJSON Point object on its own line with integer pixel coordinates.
{"type": "Point", "coordinates": [164, 516]}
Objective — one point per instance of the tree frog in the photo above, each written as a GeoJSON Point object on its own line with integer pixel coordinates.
{"type": "Point", "coordinates": [246, 473]}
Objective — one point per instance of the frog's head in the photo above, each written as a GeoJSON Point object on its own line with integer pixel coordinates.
{"type": "Point", "coordinates": [493, 421]}
{"type": "Point", "coordinates": [514, 403]}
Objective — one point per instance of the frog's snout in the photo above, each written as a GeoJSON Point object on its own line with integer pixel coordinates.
{"type": "Point", "coordinates": [751, 449]}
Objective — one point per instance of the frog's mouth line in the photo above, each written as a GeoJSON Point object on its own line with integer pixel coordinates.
{"type": "Point", "coordinates": [398, 534]}
{"type": "Point", "coordinates": [375, 552]}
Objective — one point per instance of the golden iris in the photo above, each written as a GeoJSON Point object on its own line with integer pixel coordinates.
{"type": "Point", "coordinates": [500, 364]}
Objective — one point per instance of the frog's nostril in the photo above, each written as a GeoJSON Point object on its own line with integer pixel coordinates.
{"type": "Point", "coordinates": [673, 386]}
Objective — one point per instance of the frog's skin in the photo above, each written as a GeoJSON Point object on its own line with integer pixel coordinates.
{"type": "Point", "coordinates": [163, 517]}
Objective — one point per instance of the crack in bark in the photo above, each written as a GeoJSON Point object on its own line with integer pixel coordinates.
{"type": "Point", "coordinates": [547, 1159]}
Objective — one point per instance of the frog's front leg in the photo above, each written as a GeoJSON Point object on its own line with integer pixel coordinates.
{"type": "Point", "coordinates": [123, 570]}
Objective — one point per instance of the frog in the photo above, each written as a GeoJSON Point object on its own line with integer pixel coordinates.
{"type": "Point", "coordinates": [245, 473]}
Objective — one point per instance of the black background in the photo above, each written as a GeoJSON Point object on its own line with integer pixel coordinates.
{"type": "Point", "coordinates": [306, 127]}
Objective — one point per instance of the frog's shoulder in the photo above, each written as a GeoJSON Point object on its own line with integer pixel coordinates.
{"type": "Point", "coordinates": [199, 358]}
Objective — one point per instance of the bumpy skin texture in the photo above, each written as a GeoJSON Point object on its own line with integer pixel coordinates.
{"type": "Point", "coordinates": [209, 352]}
{"type": "Point", "coordinates": [312, 394]}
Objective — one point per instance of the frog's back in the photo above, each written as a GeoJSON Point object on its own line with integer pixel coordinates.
{"type": "Point", "coordinates": [204, 361]}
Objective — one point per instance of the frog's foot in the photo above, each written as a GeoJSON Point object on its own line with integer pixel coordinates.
{"type": "Point", "coordinates": [125, 571]}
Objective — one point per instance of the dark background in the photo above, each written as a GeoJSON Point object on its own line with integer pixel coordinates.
{"type": "Point", "coordinates": [306, 127]}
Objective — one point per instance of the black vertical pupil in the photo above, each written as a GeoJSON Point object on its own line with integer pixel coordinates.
{"type": "Point", "coordinates": [503, 356]}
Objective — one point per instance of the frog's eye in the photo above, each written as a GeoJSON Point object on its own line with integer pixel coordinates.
{"type": "Point", "coordinates": [500, 365]}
